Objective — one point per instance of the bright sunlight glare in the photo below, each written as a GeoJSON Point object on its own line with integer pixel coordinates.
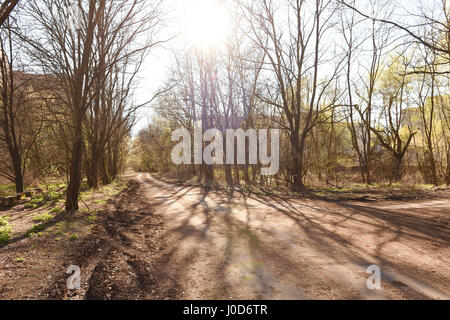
{"type": "Point", "coordinates": [207, 24]}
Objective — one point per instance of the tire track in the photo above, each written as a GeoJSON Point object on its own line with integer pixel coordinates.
{"type": "Point", "coordinates": [124, 257]}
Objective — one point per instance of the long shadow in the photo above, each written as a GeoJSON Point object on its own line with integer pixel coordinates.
{"type": "Point", "coordinates": [394, 226]}
{"type": "Point", "coordinates": [419, 224]}
{"type": "Point", "coordinates": [315, 225]}
{"type": "Point", "coordinates": [41, 227]}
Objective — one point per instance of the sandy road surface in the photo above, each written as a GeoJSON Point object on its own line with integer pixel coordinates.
{"type": "Point", "coordinates": [231, 247]}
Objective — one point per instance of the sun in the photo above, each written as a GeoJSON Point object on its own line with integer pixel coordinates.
{"type": "Point", "coordinates": [207, 24]}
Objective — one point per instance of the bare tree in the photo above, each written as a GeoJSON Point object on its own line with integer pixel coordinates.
{"type": "Point", "coordinates": [82, 52]}
{"type": "Point", "coordinates": [437, 38]}
{"type": "Point", "coordinates": [294, 54]}
{"type": "Point", "coordinates": [67, 53]}
{"type": "Point", "coordinates": [394, 94]}
{"type": "Point", "coordinates": [117, 60]}
{"type": "Point", "coordinates": [6, 8]}
{"type": "Point", "coordinates": [20, 120]}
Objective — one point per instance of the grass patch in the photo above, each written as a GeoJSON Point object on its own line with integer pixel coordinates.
{"type": "Point", "coordinates": [425, 186]}
{"type": "Point", "coordinates": [112, 190]}
{"type": "Point", "coordinates": [7, 190]}
{"type": "Point", "coordinates": [37, 228]}
{"type": "Point", "coordinates": [5, 234]}
{"type": "Point", "coordinates": [35, 202]}
{"type": "Point", "coordinates": [5, 230]}
{"type": "Point", "coordinates": [55, 210]}
{"type": "Point", "coordinates": [73, 237]}
{"type": "Point", "coordinates": [19, 259]}
{"type": "Point", "coordinates": [3, 221]}
{"type": "Point", "coordinates": [62, 227]}
{"type": "Point", "coordinates": [53, 196]}
{"type": "Point", "coordinates": [86, 194]}
{"type": "Point", "coordinates": [92, 218]}
{"type": "Point", "coordinates": [45, 217]}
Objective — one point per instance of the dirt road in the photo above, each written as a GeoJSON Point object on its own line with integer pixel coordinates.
{"type": "Point", "coordinates": [232, 247]}
{"type": "Point", "coordinates": [162, 241]}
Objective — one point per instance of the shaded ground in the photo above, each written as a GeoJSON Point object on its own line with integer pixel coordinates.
{"type": "Point", "coordinates": [231, 246]}
{"type": "Point", "coordinates": [350, 192]}
{"type": "Point", "coordinates": [162, 241]}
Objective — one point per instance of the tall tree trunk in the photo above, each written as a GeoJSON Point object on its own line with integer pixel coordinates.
{"type": "Point", "coordinates": [18, 174]}
{"type": "Point", "coordinates": [79, 96]}
{"type": "Point", "coordinates": [73, 190]}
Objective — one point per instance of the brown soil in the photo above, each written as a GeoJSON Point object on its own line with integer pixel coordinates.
{"type": "Point", "coordinates": [163, 241]}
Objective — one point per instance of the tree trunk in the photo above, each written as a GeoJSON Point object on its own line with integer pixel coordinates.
{"type": "Point", "coordinates": [228, 175]}
{"type": "Point", "coordinates": [297, 148]}
{"type": "Point", "coordinates": [18, 177]}
{"type": "Point", "coordinates": [73, 190]}
{"type": "Point", "coordinates": [447, 180]}
{"type": "Point", "coordinates": [104, 172]}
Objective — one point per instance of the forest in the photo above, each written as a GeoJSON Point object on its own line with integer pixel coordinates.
{"type": "Point", "coordinates": [358, 98]}
{"type": "Point", "coordinates": [67, 90]}
{"type": "Point", "coordinates": [224, 149]}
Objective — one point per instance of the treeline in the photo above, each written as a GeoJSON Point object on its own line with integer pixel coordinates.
{"type": "Point", "coordinates": [68, 73]}
{"type": "Point", "coordinates": [357, 93]}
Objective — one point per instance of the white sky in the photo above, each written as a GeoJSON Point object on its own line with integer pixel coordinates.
{"type": "Point", "coordinates": [157, 65]}
{"type": "Point", "coordinates": [180, 19]}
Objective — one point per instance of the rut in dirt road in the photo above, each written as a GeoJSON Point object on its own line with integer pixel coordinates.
{"type": "Point", "coordinates": [124, 256]}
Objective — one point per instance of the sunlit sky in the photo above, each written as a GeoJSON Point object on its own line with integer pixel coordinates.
{"type": "Point", "coordinates": [204, 24]}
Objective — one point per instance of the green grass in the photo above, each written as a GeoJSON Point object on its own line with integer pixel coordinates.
{"type": "Point", "coordinates": [424, 186]}
{"type": "Point", "coordinates": [3, 221]}
{"type": "Point", "coordinates": [51, 196]}
{"type": "Point", "coordinates": [5, 234]}
{"type": "Point", "coordinates": [45, 217]}
{"type": "Point", "coordinates": [87, 193]}
{"type": "Point", "coordinates": [73, 237]}
{"type": "Point", "coordinates": [19, 259]}
{"type": "Point", "coordinates": [55, 210]}
{"type": "Point", "coordinates": [7, 190]}
{"type": "Point", "coordinates": [92, 218]}
{"type": "Point", "coordinates": [35, 202]}
{"type": "Point", "coordinates": [37, 228]}
{"type": "Point", "coordinates": [62, 227]}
